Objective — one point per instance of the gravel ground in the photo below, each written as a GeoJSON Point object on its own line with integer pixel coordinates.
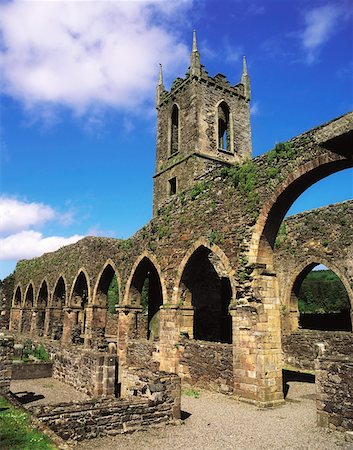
{"type": "Point", "coordinates": [212, 422]}
{"type": "Point", "coordinates": [44, 391]}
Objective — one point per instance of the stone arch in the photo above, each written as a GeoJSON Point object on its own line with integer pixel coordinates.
{"type": "Point", "coordinates": [274, 210]}
{"type": "Point", "coordinates": [58, 298]}
{"type": "Point", "coordinates": [78, 301]}
{"type": "Point", "coordinates": [103, 281]}
{"type": "Point", "coordinates": [27, 311]}
{"type": "Point", "coordinates": [17, 298]}
{"type": "Point", "coordinates": [224, 127]}
{"type": "Point", "coordinates": [205, 291]}
{"type": "Point", "coordinates": [174, 129]}
{"type": "Point", "coordinates": [146, 268]}
{"type": "Point", "coordinates": [290, 297]}
{"type": "Point", "coordinates": [41, 305]}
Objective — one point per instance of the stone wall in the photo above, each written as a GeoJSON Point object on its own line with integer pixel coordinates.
{"type": "Point", "coordinates": [143, 353]}
{"type": "Point", "coordinates": [151, 401]}
{"type": "Point", "coordinates": [334, 390]}
{"type": "Point", "coordinates": [32, 370]}
{"type": "Point", "coordinates": [6, 354]}
{"type": "Point", "coordinates": [300, 350]}
{"type": "Point", "coordinates": [207, 365]}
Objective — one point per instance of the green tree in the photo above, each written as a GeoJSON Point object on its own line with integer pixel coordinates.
{"type": "Point", "coordinates": [113, 295]}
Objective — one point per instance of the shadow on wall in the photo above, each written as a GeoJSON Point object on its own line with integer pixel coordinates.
{"type": "Point", "coordinates": [292, 375]}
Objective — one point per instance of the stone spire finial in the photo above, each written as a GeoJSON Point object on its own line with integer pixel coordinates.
{"type": "Point", "coordinates": [194, 41]}
{"type": "Point", "coordinates": [245, 80]}
{"type": "Point", "coordinates": [160, 86]}
{"type": "Point", "coordinates": [160, 79]}
{"type": "Point", "coordinates": [195, 64]}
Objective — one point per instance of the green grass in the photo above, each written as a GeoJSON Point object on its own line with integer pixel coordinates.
{"type": "Point", "coordinates": [16, 432]}
{"type": "Point", "coordinates": [192, 393]}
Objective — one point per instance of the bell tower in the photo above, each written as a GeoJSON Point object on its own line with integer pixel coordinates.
{"type": "Point", "coordinates": [203, 122]}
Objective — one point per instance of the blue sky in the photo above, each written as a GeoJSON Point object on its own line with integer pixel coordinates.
{"type": "Point", "coordinates": [77, 102]}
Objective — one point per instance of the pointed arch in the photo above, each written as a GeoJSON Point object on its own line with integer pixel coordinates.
{"type": "Point", "coordinates": [28, 300]}
{"type": "Point", "coordinates": [104, 279]}
{"type": "Point", "coordinates": [80, 289]}
{"type": "Point", "coordinates": [146, 289]}
{"type": "Point", "coordinates": [58, 299]}
{"type": "Point", "coordinates": [205, 284]}
{"type": "Point", "coordinates": [291, 294]}
{"type": "Point", "coordinates": [17, 298]}
{"type": "Point", "coordinates": [43, 295]}
{"type": "Point", "coordinates": [224, 127]}
{"type": "Point", "coordinates": [174, 130]}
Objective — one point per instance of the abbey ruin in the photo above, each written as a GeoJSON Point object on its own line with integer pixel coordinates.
{"type": "Point", "coordinates": [222, 308]}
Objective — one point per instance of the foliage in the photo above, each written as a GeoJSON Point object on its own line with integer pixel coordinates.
{"type": "Point", "coordinates": [281, 236]}
{"type": "Point", "coordinates": [245, 177]}
{"type": "Point", "coordinates": [30, 349]}
{"type": "Point", "coordinates": [113, 295]}
{"type": "Point", "coordinates": [192, 393]}
{"type": "Point", "coordinates": [323, 292]}
{"type": "Point", "coordinates": [126, 244]}
{"type": "Point", "coordinates": [198, 189]}
{"type": "Point", "coordinates": [145, 294]}
{"type": "Point", "coordinates": [282, 150]}
{"type": "Point", "coordinates": [216, 237]}
{"type": "Point", "coordinates": [16, 433]}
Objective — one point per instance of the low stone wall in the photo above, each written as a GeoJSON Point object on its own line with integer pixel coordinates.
{"type": "Point", "coordinates": [6, 354]}
{"type": "Point", "coordinates": [300, 350]}
{"type": "Point", "coordinates": [93, 373]}
{"type": "Point", "coordinates": [207, 365]}
{"type": "Point", "coordinates": [334, 391]}
{"type": "Point", "coordinates": [31, 370]}
{"type": "Point", "coordinates": [143, 353]}
{"type": "Point", "coordinates": [152, 399]}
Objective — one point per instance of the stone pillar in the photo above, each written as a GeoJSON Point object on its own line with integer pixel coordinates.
{"type": "Point", "coordinates": [169, 338]}
{"type": "Point", "coordinates": [70, 320]}
{"type": "Point", "coordinates": [187, 321]}
{"type": "Point", "coordinates": [257, 346]}
{"type": "Point", "coordinates": [15, 319]}
{"type": "Point", "coordinates": [34, 322]}
{"type": "Point", "coordinates": [127, 328]}
{"type": "Point", "coordinates": [96, 317]}
{"type": "Point", "coordinates": [6, 354]}
{"type": "Point", "coordinates": [105, 376]}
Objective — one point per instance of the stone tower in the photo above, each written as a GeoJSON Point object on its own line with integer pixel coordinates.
{"type": "Point", "coordinates": [203, 122]}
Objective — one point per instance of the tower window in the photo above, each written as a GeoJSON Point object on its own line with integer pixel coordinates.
{"type": "Point", "coordinates": [174, 132]}
{"type": "Point", "coordinates": [172, 186]}
{"type": "Point", "coordinates": [224, 142]}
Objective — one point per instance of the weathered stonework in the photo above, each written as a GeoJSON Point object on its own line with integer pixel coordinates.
{"type": "Point", "coordinates": [223, 217]}
{"type": "Point", "coordinates": [6, 355]}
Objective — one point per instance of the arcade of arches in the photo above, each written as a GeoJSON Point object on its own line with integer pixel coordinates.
{"type": "Point", "coordinates": [206, 268]}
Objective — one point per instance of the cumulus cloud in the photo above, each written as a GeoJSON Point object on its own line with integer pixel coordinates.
{"type": "Point", "coordinates": [18, 221]}
{"type": "Point", "coordinates": [16, 215]}
{"type": "Point", "coordinates": [29, 243]}
{"type": "Point", "coordinates": [320, 24]}
{"type": "Point", "coordinates": [81, 55]}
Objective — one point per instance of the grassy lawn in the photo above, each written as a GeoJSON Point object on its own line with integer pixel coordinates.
{"type": "Point", "coordinates": [16, 432]}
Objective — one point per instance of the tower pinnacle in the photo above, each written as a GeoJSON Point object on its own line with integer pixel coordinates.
{"type": "Point", "coordinates": [160, 86]}
{"type": "Point", "coordinates": [195, 64]}
{"type": "Point", "coordinates": [245, 80]}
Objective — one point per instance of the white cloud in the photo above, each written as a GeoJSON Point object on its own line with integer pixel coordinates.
{"type": "Point", "coordinates": [80, 54]}
{"type": "Point", "coordinates": [16, 215]}
{"type": "Point", "coordinates": [254, 109]}
{"type": "Point", "coordinates": [320, 24]}
{"type": "Point", "coordinates": [28, 244]}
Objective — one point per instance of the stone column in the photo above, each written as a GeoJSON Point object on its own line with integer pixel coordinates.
{"type": "Point", "coordinates": [127, 328]}
{"type": "Point", "coordinates": [105, 376]}
{"type": "Point", "coordinates": [257, 346]}
{"type": "Point", "coordinates": [169, 338]}
{"type": "Point", "coordinates": [6, 354]}
{"type": "Point", "coordinates": [96, 317]}
{"type": "Point", "coordinates": [15, 319]}
{"type": "Point", "coordinates": [187, 321]}
{"type": "Point", "coordinates": [70, 320]}
{"type": "Point", "coordinates": [34, 322]}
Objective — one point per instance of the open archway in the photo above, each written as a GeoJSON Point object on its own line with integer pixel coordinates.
{"type": "Point", "coordinates": [206, 288]}
{"type": "Point", "coordinates": [42, 303]}
{"type": "Point", "coordinates": [106, 299]}
{"type": "Point", "coordinates": [56, 319]}
{"type": "Point", "coordinates": [27, 309]}
{"type": "Point", "coordinates": [145, 291]}
{"type": "Point", "coordinates": [79, 303]}
{"type": "Point", "coordinates": [17, 299]}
